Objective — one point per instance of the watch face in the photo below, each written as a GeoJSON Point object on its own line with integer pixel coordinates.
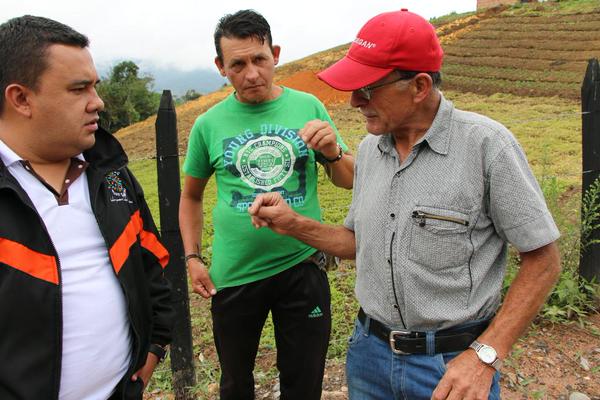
{"type": "Point", "coordinates": [487, 354]}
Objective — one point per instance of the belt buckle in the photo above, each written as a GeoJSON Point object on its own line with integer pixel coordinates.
{"type": "Point", "coordinates": [393, 341]}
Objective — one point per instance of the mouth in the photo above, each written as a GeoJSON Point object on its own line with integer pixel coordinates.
{"type": "Point", "coordinates": [367, 113]}
{"type": "Point", "coordinates": [92, 124]}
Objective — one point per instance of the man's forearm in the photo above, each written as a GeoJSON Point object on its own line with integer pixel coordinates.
{"type": "Point", "coordinates": [341, 173]}
{"type": "Point", "coordinates": [336, 240]}
{"type": "Point", "coordinates": [190, 224]}
{"type": "Point", "coordinates": [538, 274]}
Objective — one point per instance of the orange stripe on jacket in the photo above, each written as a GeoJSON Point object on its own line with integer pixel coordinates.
{"type": "Point", "coordinates": [119, 252]}
{"type": "Point", "coordinates": [38, 265]}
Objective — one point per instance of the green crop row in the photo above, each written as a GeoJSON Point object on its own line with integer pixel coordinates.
{"type": "Point", "coordinates": [513, 62]}
{"type": "Point", "coordinates": [460, 50]}
{"type": "Point", "coordinates": [504, 25]}
{"type": "Point", "coordinates": [520, 88]}
{"type": "Point", "coordinates": [527, 43]}
{"type": "Point", "coordinates": [512, 74]}
{"type": "Point", "coordinates": [550, 18]}
{"type": "Point", "coordinates": [566, 35]}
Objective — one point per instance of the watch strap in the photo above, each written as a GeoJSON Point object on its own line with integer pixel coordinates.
{"type": "Point", "coordinates": [338, 157]}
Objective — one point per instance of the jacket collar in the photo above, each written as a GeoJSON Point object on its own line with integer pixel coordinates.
{"type": "Point", "coordinates": [107, 153]}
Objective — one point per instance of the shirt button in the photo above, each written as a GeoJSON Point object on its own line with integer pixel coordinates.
{"type": "Point", "coordinates": [392, 215]}
{"type": "Point", "coordinates": [67, 180]}
{"type": "Point", "coordinates": [396, 306]}
{"type": "Point", "coordinates": [80, 166]}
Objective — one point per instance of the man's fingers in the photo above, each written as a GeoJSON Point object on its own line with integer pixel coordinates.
{"type": "Point", "coordinates": [442, 390]}
{"type": "Point", "coordinates": [311, 129]}
{"type": "Point", "coordinates": [201, 290]}
{"type": "Point", "coordinates": [208, 285]}
{"type": "Point", "coordinates": [259, 222]}
{"type": "Point", "coordinates": [263, 200]}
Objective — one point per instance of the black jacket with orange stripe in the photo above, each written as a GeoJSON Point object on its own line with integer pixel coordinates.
{"type": "Point", "coordinates": [30, 281]}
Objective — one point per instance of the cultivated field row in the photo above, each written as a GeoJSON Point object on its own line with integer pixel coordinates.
{"type": "Point", "coordinates": [527, 64]}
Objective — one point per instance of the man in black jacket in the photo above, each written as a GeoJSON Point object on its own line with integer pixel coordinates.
{"type": "Point", "coordinates": [84, 304]}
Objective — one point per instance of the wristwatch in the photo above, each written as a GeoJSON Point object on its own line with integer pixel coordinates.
{"type": "Point", "coordinates": [338, 157]}
{"type": "Point", "coordinates": [487, 354]}
{"type": "Point", "coordinates": [158, 350]}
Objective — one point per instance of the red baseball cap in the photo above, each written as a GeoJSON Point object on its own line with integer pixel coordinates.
{"type": "Point", "coordinates": [392, 40]}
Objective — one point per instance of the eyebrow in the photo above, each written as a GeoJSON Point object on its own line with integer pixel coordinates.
{"type": "Point", "coordinates": [85, 82]}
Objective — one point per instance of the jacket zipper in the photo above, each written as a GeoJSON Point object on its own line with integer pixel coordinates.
{"type": "Point", "coordinates": [60, 293]}
{"type": "Point", "coordinates": [421, 218]}
{"type": "Point", "coordinates": [60, 304]}
{"type": "Point", "coordinates": [136, 344]}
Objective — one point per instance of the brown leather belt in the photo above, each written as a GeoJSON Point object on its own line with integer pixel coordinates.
{"type": "Point", "coordinates": [413, 342]}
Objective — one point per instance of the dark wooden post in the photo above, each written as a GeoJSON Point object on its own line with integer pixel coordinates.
{"type": "Point", "coordinates": [169, 189]}
{"type": "Point", "coordinates": [589, 266]}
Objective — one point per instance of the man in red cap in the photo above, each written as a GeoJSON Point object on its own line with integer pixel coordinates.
{"type": "Point", "coordinates": [438, 195]}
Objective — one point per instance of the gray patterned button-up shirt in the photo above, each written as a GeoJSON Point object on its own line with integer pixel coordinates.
{"type": "Point", "coordinates": [432, 231]}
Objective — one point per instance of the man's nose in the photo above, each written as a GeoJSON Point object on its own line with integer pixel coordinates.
{"type": "Point", "coordinates": [357, 100]}
{"type": "Point", "coordinates": [96, 104]}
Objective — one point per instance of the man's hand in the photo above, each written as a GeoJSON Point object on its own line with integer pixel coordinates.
{"type": "Point", "coordinates": [145, 373]}
{"type": "Point", "coordinates": [320, 136]}
{"type": "Point", "coordinates": [270, 210]}
{"type": "Point", "coordinates": [466, 378]}
{"type": "Point", "coordinates": [201, 282]}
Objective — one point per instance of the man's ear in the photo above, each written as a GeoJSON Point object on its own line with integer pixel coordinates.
{"type": "Point", "coordinates": [18, 97]}
{"type": "Point", "coordinates": [220, 66]}
{"type": "Point", "coordinates": [423, 87]}
{"type": "Point", "coordinates": [276, 52]}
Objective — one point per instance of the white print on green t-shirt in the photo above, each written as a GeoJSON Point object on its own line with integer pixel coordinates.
{"type": "Point", "coordinates": [266, 162]}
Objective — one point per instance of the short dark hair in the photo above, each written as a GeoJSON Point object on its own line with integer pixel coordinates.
{"type": "Point", "coordinates": [436, 77]}
{"type": "Point", "coordinates": [241, 25]}
{"type": "Point", "coordinates": [23, 44]}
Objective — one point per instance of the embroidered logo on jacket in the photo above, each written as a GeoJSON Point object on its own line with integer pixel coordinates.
{"type": "Point", "coordinates": [118, 192]}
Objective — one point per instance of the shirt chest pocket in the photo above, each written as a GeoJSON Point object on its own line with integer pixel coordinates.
{"type": "Point", "coordinates": [439, 237]}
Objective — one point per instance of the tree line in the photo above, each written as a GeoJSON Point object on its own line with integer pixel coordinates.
{"type": "Point", "coordinates": [129, 98]}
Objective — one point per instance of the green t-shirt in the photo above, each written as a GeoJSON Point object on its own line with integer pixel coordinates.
{"type": "Point", "coordinates": [253, 149]}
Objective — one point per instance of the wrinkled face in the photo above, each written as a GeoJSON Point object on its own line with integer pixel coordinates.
{"type": "Point", "coordinates": [249, 66]}
{"type": "Point", "coordinates": [64, 108]}
{"type": "Point", "coordinates": [390, 107]}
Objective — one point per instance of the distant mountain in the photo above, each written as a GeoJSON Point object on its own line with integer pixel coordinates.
{"type": "Point", "coordinates": [202, 80]}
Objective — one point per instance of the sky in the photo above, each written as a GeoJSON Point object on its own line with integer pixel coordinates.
{"type": "Point", "coordinates": [178, 33]}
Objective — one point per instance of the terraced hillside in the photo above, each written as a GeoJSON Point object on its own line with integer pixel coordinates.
{"type": "Point", "coordinates": [540, 50]}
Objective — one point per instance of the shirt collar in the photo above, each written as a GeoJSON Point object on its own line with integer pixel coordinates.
{"type": "Point", "coordinates": [438, 134]}
{"type": "Point", "coordinates": [7, 155]}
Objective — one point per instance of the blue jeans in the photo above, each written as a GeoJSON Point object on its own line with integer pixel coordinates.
{"type": "Point", "coordinates": [374, 372]}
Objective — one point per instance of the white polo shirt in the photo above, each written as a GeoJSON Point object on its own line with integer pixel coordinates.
{"type": "Point", "coordinates": [96, 341]}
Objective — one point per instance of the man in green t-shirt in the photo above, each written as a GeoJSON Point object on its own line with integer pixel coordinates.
{"type": "Point", "coordinates": [262, 138]}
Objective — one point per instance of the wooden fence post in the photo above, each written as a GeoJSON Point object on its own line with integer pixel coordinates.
{"type": "Point", "coordinates": [169, 189]}
{"type": "Point", "coordinates": [589, 265]}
